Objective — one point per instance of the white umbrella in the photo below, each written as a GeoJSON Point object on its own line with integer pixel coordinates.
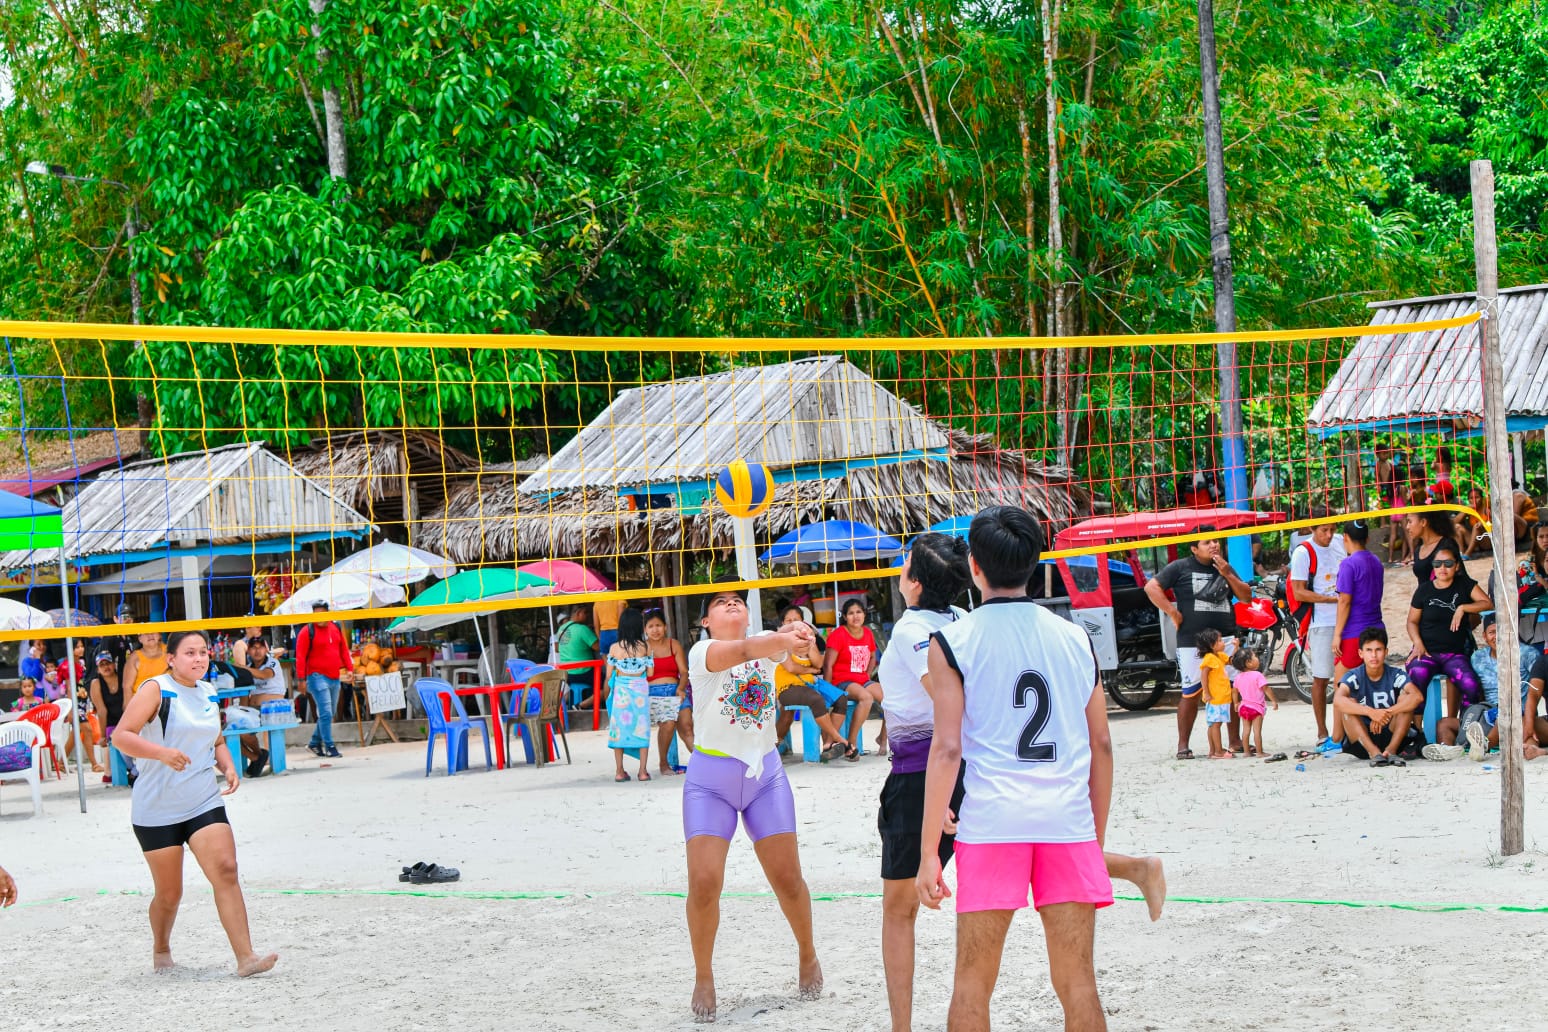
{"type": "Point", "coordinates": [395, 564]}
{"type": "Point", "coordinates": [341, 591]}
{"type": "Point", "coordinates": [18, 616]}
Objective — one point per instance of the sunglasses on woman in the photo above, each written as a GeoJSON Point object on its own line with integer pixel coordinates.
{"type": "Point", "coordinates": [1444, 564]}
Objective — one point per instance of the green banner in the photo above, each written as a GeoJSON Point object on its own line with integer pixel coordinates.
{"type": "Point", "coordinates": [29, 532]}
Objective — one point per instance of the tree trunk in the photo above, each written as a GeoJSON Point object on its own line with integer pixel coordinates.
{"type": "Point", "coordinates": [1058, 315]}
{"type": "Point", "coordinates": [333, 112]}
{"type": "Point", "coordinates": [1024, 128]}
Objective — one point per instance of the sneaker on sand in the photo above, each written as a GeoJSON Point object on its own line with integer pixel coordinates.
{"type": "Point", "coordinates": [1477, 743]}
{"type": "Point", "coordinates": [1328, 747]}
{"type": "Point", "coordinates": [1442, 753]}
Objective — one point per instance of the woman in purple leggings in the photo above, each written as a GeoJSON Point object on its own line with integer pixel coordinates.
{"type": "Point", "coordinates": [735, 773]}
{"type": "Point", "coordinates": [1440, 630]}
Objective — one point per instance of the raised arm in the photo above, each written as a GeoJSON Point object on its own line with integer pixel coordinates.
{"type": "Point", "coordinates": [723, 655]}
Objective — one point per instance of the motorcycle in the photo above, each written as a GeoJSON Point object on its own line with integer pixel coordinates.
{"type": "Point", "coordinates": [1265, 622]}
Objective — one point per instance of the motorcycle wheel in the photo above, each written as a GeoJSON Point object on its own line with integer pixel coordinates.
{"type": "Point", "coordinates": [1298, 671]}
{"type": "Point", "coordinates": [1136, 691]}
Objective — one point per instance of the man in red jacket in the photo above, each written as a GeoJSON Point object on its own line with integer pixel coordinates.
{"type": "Point", "coordinates": [321, 656]}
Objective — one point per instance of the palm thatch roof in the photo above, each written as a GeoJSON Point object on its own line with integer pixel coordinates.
{"type": "Point", "coordinates": [487, 521]}
{"type": "Point", "coordinates": [367, 469]}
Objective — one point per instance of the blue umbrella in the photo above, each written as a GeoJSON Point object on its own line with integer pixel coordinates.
{"type": "Point", "coordinates": [833, 541]}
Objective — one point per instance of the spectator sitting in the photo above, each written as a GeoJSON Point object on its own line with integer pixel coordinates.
{"type": "Point", "coordinates": [1376, 704]}
{"type": "Point", "coordinates": [850, 663]}
{"type": "Point", "coordinates": [268, 685]}
{"type": "Point", "coordinates": [62, 671]}
{"type": "Point", "coordinates": [798, 682]}
{"type": "Point", "coordinates": [1525, 508]}
{"type": "Point", "coordinates": [577, 643]}
{"type": "Point", "coordinates": [107, 697]}
{"type": "Point", "coordinates": [1472, 535]}
{"type": "Point", "coordinates": [1443, 491]}
{"type": "Point", "coordinates": [1438, 627]}
{"type": "Point", "coordinates": [1537, 737]}
{"type": "Point", "coordinates": [29, 696]}
{"type": "Point", "coordinates": [1477, 722]}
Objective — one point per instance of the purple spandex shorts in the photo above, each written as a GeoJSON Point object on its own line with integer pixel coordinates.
{"type": "Point", "coordinates": [1454, 668]}
{"type": "Point", "coordinates": [717, 788]}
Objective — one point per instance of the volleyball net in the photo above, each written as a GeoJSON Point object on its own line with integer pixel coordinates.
{"type": "Point", "coordinates": [201, 474]}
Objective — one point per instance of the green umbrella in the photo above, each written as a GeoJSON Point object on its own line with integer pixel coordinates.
{"type": "Point", "coordinates": [491, 584]}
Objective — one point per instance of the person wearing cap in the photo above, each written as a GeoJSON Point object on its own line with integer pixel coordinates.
{"type": "Point", "coordinates": [735, 776]}
{"type": "Point", "coordinates": [322, 657]}
{"type": "Point", "coordinates": [1477, 723]}
{"type": "Point", "coordinates": [120, 645]}
{"type": "Point", "coordinates": [106, 692]}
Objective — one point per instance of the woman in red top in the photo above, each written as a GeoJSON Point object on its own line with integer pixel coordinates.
{"type": "Point", "coordinates": [850, 664]}
{"type": "Point", "coordinates": [668, 686]}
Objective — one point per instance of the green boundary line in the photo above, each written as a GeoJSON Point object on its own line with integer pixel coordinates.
{"type": "Point", "coordinates": [832, 897]}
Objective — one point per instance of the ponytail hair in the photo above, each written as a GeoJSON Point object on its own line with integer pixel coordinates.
{"type": "Point", "coordinates": [939, 562]}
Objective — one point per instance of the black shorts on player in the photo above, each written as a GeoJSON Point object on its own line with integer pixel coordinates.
{"type": "Point", "coordinates": [899, 820]}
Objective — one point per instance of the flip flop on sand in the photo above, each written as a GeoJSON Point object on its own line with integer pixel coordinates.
{"type": "Point", "coordinates": [621, 778]}
{"type": "Point", "coordinates": [1381, 760]}
{"type": "Point", "coordinates": [834, 751]}
{"type": "Point", "coordinates": [643, 775]}
{"type": "Point", "coordinates": [1276, 758]}
{"type": "Point", "coordinates": [1185, 754]}
{"type": "Point", "coordinates": [1306, 754]}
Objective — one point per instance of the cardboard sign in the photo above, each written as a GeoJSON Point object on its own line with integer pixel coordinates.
{"type": "Point", "coordinates": [384, 692]}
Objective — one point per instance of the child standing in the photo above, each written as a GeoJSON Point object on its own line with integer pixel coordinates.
{"type": "Point", "coordinates": [1217, 689]}
{"type": "Point", "coordinates": [1252, 692]}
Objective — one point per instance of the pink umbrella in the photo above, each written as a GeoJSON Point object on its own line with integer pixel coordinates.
{"type": "Point", "coordinates": [568, 578]}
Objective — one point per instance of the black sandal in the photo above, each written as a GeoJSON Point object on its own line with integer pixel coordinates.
{"type": "Point", "coordinates": [834, 751]}
{"type": "Point", "coordinates": [1185, 754]}
{"type": "Point", "coordinates": [1381, 760]}
{"type": "Point", "coordinates": [435, 873]}
{"type": "Point", "coordinates": [1276, 758]}
{"type": "Point", "coordinates": [852, 754]}
{"type": "Point", "coordinates": [409, 872]}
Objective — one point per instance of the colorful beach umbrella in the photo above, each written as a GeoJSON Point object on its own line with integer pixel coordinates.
{"type": "Point", "coordinates": [396, 564]}
{"type": "Point", "coordinates": [18, 616]}
{"type": "Point", "coordinates": [78, 618]}
{"type": "Point", "coordinates": [342, 591]}
{"type": "Point", "coordinates": [833, 541]}
{"type": "Point", "coordinates": [567, 578]}
{"type": "Point", "coordinates": [487, 584]}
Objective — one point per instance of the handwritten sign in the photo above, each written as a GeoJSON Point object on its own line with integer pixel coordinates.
{"type": "Point", "coordinates": [384, 692]}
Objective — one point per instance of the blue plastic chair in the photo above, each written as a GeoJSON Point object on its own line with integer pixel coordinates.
{"type": "Point", "coordinates": [522, 671]}
{"type": "Point", "coordinates": [456, 731]}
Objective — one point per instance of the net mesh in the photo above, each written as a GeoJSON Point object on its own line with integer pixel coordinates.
{"type": "Point", "coordinates": [228, 469]}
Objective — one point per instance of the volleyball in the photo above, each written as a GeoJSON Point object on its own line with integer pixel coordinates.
{"type": "Point", "coordinates": [744, 489]}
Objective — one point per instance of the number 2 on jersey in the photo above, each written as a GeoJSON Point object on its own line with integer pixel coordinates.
{"type": "Point", "coordinates": [1027, 746]}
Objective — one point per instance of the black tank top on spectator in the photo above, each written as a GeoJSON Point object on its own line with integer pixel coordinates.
{"type": "Point", "coordinates": [1424, 568]}
{"type": "Point", "coordinates": [1203, 595]}
{"type": "Point", "coordinates": [1437, 607]}
{"type": "Point", "coordinates": [112, 700]}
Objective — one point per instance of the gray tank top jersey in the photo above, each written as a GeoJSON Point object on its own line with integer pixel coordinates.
{"type": "Point", "coordinates": [165, 796]}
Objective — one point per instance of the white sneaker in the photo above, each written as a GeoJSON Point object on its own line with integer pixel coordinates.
{"type": "Point", "coordinates": [1477, 743]}
{"type": "Point", "coordinates": [1442, 753]}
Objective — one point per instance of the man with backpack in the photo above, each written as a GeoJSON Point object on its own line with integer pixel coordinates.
{"type": "Point", "coordinates": [321, 657]}
{"type": "Point", "coordinates": [1314, 567]}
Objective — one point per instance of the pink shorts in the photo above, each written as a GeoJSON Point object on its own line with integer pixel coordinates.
{"type": "Point", "coordinates": [996, 875]}
{"type": "Point", "coordinates": [1247, 712]}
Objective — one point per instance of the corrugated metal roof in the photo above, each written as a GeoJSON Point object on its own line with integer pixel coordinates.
{"type": "Point", "coordinates": [241, 492]}
{"type": "Point", "coordinates": [1435, 377]}
{"type": "Point", "coordinates": [784, 415]}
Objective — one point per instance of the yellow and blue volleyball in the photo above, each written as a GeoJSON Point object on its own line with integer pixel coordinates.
{"type": "Point", "coordinates": [745, 489]}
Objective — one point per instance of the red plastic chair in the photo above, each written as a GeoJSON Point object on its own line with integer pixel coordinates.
{"type": "Point", "coordinates": [45, 717]}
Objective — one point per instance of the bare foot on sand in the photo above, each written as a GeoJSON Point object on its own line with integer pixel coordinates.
{"type": "Point", "coordinates": [256, 965]}
{"type": "Point", "coordinates": [809, 981]}
{"type": "Point", "coordinates": [703, 1001]}
{"type": "Point", "coordinates": [1152, 885]}
{"type": "Point", "coordinates": [162, 962]}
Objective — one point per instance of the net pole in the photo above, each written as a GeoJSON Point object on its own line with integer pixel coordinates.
{"type": "Point", "coordinates": [75, 711]}
{"type": "Point", "coordinates": [1502, 512]}
{"type": "Point", "coordinates": [1233, 449]}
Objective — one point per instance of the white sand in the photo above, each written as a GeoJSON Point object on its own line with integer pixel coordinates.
{"type": "Point", "coordinates": [609, 955]}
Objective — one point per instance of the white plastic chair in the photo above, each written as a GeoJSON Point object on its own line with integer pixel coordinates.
{"type": "Point", "coordinates": [59, 734]}
{"type": "Point", "coordinates": [21, 731]}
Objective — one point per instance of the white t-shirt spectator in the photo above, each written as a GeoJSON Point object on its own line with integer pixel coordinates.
{"type": "Point", "coordinates": [1325, 582]}
{"type": "Point", "coordinates": [270, 685]}
{"type": "Point", "coordinates": [733, 710]}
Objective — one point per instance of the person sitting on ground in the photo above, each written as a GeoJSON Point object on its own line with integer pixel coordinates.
{"type": "Point", "coordinates": [1476, 724]}
{"type": "Point", "coordinates": [1537, 683]}
{"type": "Point", "coordinates": [268, 685]}
{"type": "Point", "coordinates": [850, 664]}
{"type": "Point", "coordinates": [798, 683]}
{"type": "Point", "coordinates": [1377, 703]}
{"type": "Point", "coordinates": [29, 696]}
{"type": "Point", "coordinates": [1438, 627]}
{"type": "Point", "coordinates": [668, 678]}
{"type": "Point", "coordinates": [576, 642]}
{"type": "Point", "coordinates": [1472, 535]}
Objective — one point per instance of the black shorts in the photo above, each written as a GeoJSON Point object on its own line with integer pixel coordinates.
{"type": "Point", "coordinates": [1412, 743]}
{"type": "Point", "coordinates": [168, 836]}
{"type": "Point", "coordinates": [899, 820]}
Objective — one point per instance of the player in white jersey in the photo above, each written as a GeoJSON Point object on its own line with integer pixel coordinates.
{"type": "Point", "coordinates": [1018, 700]}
